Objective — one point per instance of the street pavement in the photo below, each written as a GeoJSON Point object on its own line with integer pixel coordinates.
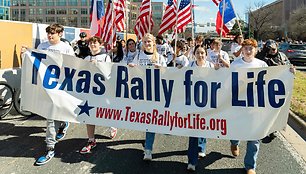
{"type": "Point", "coordinates": [22, 141]}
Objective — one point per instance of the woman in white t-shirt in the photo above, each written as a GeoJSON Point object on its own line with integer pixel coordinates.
{"type": "Point", "coordinates": [96, 55]}
{"type": "Point", "coordinates": [197, 146]}
{"type": "Point", "coordinates": [148, 56]}
{"type": "Point", "coordinates": [130, 52]}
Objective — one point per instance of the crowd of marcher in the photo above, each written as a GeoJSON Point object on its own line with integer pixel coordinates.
{"type": "Point", "coordinates": [157, 52]}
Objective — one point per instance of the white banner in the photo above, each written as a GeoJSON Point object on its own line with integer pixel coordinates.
{"type": "Point", "coordinates": [244, 104]}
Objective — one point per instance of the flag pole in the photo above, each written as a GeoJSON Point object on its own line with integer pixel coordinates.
{"type": "Point", "coordinates": [126, 20]}
{"type": "Point", "coordinates": [222, 22]}
{"type": "Point", "coordinates": [192, 19]}
{"type": "Point", "coordinates": [239, 26]}
{"type": "Point", "coordinates": [112, 40]}
{"type": "Point", "coordinates": [150, 10]}
{"type": "Point", "coordinates": [175, 38]}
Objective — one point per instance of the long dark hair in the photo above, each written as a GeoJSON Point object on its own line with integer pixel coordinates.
{"type": "Point", "coordinates": [127, 44]}
{"type": "Point", "coordinates": [119, 53]}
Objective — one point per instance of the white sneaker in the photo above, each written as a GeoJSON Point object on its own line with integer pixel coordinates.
{"type": "Point", "coordinates": [191, 167]}
{"type": "Point", "coordinates": [112, 132]}
{"type": "Point", "coordinates": [201, 154]}
{"type": "Point", "coordinates": [147, 155]}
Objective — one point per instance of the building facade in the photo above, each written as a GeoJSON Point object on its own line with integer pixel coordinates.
{"type": "Point", "coordinates": [74, 13]}
{"type": "Point", "coordinates": [5, 9]}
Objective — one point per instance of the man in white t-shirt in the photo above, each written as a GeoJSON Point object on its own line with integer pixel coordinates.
{"type": "Point", "coordinates": [236, 48]}
{"type": "Point", "coordinates": [218, 57]}
{"type": "Point", "coordinates": [56, 130]}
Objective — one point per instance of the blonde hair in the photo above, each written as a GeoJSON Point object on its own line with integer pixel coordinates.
{"type": "Point", "coordinates": [155, 56]}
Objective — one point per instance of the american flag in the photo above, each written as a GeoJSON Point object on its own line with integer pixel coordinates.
{"type": "Point", "coordinates": [144, 19]}
{"type": "Point", "coordinates": [184, 15]}
{"type": "Point", "coordinates": [113, 23]}
{"type": "Point", "coordinates": [96, 17]}
{"type": "Point", "coordinates": [169, 17]}
{"type": "Point", "coordinates": [216, 2]}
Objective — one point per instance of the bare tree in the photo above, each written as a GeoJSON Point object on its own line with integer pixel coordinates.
{"type": "Point", "coordinates": [297, 24]}
{"type": "Point", "coordinates": [259, 19]}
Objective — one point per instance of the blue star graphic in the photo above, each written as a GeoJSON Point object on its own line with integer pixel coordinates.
{"type": "Point", "coordinates": [85, 108]}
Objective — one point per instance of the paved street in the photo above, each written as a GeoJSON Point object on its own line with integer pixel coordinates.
{"type": "Point", "coordinates": [22, 141]}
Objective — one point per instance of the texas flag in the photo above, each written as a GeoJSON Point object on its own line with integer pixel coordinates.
{"type": "Point", "coordinates": [229, 17]}
{"type": "Point", "coordinates": [96, 17]}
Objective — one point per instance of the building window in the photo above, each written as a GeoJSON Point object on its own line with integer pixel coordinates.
{"type": "Point", "coordinates": [50, 3]}
{"type": "Point", "coordinates": [73, 21]}
{"type": "Point", "coordinates": [15, 12]}
{"type": "Point", "coordinates": [39, 20]}
{"type": "Point", "coordinates": [50, 11]}
{"type": "Point", "coordinates": [40, 2]}
{"type": "Point", "coordinates": [31, 19]}
{"type": "Point", "coordinates": [15, 3]}
{"type": "Point", "coordinates": [84, 2]}
{"type": "Point", "coordinates": [32, 12]}
{"type": "Point", "coordinates": [84, 22]}
{"type": "Point", "coordinates": [61, 11]}
{"type": "Point", "coordinates": [61, 20]}
{"type": "Point", "coordinates": [72, 3]}
{"type": "Point", "coordinates": [22, 12]}
{"type": "Point", "coordinates": [61, 3]}
{"type": "Point", "coordinates": [73, 11]}
{"type": "Point", "coordinates": [32, 3]}
{"type": "Point", "coordinates": [84, 11]}
{"type": "Point", "coordinates": [39, 11]}
{"type": "Point", "coordinates": [50, 19]}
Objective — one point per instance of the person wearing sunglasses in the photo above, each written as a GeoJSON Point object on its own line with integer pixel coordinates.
{"type": "Point", "coordinates": [271, 55]}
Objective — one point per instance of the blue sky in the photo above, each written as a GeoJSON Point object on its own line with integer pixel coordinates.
{"type": "Point", "coordinates": [206, 10]}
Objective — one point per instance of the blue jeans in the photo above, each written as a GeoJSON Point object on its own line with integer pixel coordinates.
{"type": "Point", "coordinates": [251, 153]}
{"type": "Point", "coordinates": [202, 145]}
{"type": "Point", "coordinates": [150, 136]}
{"type": "Point", "coordinates": [195, 146]}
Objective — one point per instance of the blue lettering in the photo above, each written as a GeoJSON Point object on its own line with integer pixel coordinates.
{"type": "Point", "coordinates": [52, 71]}
{"type": "Point", "coordinates": [68, 79]}
{"type": "Point", "coordinates": [197, 86]}
{"type": "Point", "coordinates": [214, 87]}
{"type": "Point", "coordinates": [137, 89]}
{"type": "Point", "coordinates": [157, 84]}
{"type": "Point", "coordinates": [83, 85]}
{"type": "Point", "coordinates": [273, 93]}
{"type": "Point", "coordinates": [235, 91]}
{"type": "Point", "coordinates": [250, 93]}
{"type": "Point", "coordinates": [260, 89]}
{"type": "Point", "coordinates": [187, 84]}
{"type": "Point", "coordinates": [36, 65]}
{"type": "Point", "coordinates": [167, 92]}
{"type": "Point", "coordinates": [122, 80]}
{"type": "Point", "coordinates": [98, 78]}
{"type": "Point", "coordinates": [148, 84]}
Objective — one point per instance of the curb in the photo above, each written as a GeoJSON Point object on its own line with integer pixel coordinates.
{"type": "Point", "coordinates": [298, 120]}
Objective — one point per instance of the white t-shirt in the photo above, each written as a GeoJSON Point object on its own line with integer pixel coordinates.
{"type": "Point", "coordinates": [144, 59]}
{"type": "Point", "coordinates": [129, 57]}
{"type": "Point", "coordinates": [60, 47]}
{"type": "Point", "coordinates": [213, 57]}
{"type": "Point", "coordinates": [99, 58]}
{"type": "Point", "coordinates": [255, 63]}
{"type": "Point", "coordinates": [206, 64]}
{"type": "Point", "coordinates": [163, 49]}
{"type": "Point", "coordinates": [235, 48]}
{"type": "Point", "coordinates": [181, 60]}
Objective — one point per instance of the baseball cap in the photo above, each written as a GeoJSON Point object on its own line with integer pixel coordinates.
{"type": "Point", "coordinates": [271, 44]}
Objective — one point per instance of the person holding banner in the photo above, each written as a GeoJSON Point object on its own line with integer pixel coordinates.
{"type": "Point", "coordinates": [197, 146]}
{"type": "Point", "coordinates": [149, 56]}
{"type": "Point", "coordinates": [96, 55]}
{"type": "Point", "coordinates": [56, 130]}
{"type": "Point", "coordinates": [249, 50]}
